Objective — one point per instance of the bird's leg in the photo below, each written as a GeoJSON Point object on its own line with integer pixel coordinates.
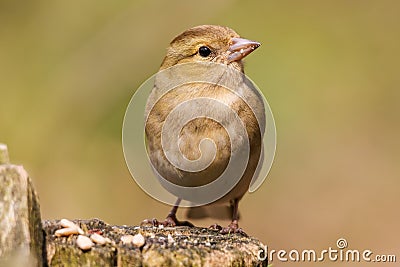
{"type": "Point", "coordinates": [171, 219]}
{"type": "Point", "coordinates": [233, 227]}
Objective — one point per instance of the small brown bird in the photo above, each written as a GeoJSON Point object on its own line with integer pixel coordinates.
{"type": "Point", "coordinates": [221, 45]}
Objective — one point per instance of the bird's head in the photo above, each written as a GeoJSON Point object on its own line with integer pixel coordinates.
{"type": "Point", "coordinates": [209, 43]}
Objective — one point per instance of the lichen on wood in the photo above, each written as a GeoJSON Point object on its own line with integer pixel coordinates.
{"type": "Point", "coordinates": [20, 222]}
{"type": "Point", "coordinates": [168, 246]}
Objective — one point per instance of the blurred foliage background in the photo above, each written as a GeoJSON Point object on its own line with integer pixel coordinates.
{"type": "Point", "coordinates": [329, 69]}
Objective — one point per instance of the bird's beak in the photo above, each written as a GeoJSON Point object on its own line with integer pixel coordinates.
{"type": "Point", "coordinates": [240, 48]}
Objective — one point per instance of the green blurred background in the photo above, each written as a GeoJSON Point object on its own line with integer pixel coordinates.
{"type": "Point", "coordinates": [329, 69]}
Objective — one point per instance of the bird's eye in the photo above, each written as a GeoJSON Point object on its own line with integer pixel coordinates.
{"type": "Point", "coordinates": [204, 51]}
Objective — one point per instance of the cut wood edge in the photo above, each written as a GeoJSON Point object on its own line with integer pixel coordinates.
{"type": "Point", "coordinates": [4, 158]}
{"type": "Point", "coordinates": [21, 233]}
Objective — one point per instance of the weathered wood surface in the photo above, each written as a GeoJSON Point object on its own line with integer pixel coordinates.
{"type": "Point", "coordinates": [27, 241]}
{"type": "Point", "coordinates": [21, 235]}
{"type": "Point", "coordinates": [4, 159]}
{"type": "Point", "coordinates": [175, 246]}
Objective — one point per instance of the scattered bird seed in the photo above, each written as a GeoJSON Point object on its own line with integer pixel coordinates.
{"type": "Point", "coordinates": [170, 239]}
{"type": "Point", "coordinates": [138, 240]}
{"type": "Point", "coordinates": [70, 228]}
{"type": "Point", "coordinates": [98, 239]}
{"type": "Point", "coordinates": [66, 232]}
{"type": "Point", "coordinates": [67, 223]}
{"type": "Point", "coordinates": [84, 242]}
{"type": "Point", "coordinates": [126, 239]}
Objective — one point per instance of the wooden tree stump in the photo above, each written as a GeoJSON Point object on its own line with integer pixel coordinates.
{"type": "Point", "coordinates": [21, 235]}
{"type": "Point", "coordinates": [169, 246]}
{"type": "Point", "coordinates": [26, 241]}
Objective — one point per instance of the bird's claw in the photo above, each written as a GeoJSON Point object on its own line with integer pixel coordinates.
{"type": "Point", "coordinates": [170, 221]}
{"type": "Point", "coordinates": [228, 230]}
{"type": "Point", "coordinates": [232, 228]}
{"type": "Point", "coordinates": [150, 222]}
{"type": "Point", "coordinates": [216, 227]}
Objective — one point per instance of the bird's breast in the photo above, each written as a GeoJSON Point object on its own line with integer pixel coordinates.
{"type": "Point", "coordinates": [193, 130]}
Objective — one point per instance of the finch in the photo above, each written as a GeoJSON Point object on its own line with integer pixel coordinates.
{"type": "Point", "coordinates": [223, 46]}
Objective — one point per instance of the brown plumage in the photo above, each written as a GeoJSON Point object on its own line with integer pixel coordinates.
{"type": "Point", "coordinates": [207, 43]}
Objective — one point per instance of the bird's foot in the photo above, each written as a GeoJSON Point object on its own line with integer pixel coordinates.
{"type": "Point", "coordinates": [232, 228]}
{"type": "Point", "coordinates": [170, 221]}
{"type": "Point", "coordinates": [215, 227]}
